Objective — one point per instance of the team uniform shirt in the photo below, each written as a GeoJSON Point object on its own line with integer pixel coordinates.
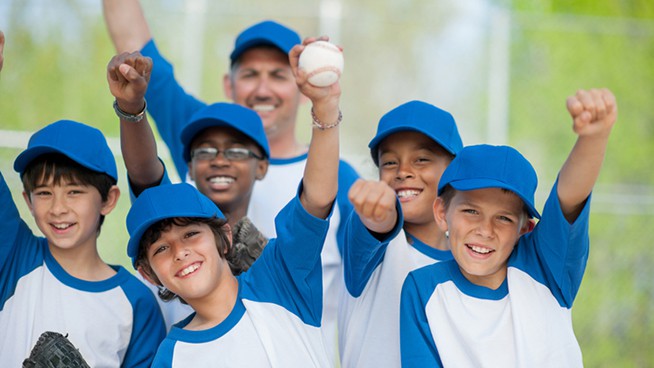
{"type": "Point", "coordinates": [446, 321]}
{"type": "Point", "coordinates": [369, 317]}
{"type": "Point", "coordinates": [171, 107]}
{"type": "Point", "coordinates": [113, 323]}
{"type": "Point", "coordinates": [277, 316]}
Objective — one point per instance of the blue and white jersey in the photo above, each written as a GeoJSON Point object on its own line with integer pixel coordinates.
{"type": "Point", "coordinates": [113, 323]}
{"type": "Point", "coordinates": [277, 316]}
{"type": "Point", "coordinates": [369, 317]}
{"type": "Point", "coordinates": [446, 321]}
{"type": "Point", "coordinates": [171, 107]}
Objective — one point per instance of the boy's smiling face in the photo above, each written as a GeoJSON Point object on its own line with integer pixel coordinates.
{"type": "Point", "coordinates": [227, 183]}
{"type": "Point", "coordinates": [484, 226]}
{"type": "Point", "coordinates": [412, 164]}
{"type": "Point", "coordinates": [68, 213]}
{"type": "Point", "coordinates": [186, 261]}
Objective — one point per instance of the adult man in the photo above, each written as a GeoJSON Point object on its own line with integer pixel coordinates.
{"type": "Point", "coordinates": [260, 78]}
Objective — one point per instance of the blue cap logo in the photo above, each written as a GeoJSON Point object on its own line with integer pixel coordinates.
{"type": "Point", "coordinates": [81, 143]}
{"type": "Point", "coordinates": [485, 166]}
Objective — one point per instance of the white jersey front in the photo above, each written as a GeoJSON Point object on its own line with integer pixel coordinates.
{"type": "Point", "coordinates": [369, 317]}
{"type": "Point", "coordinates": [272, 193]}
{"type": "Point", "coordinates": [447, 321]}
{"type": "Point", "coordinates": [276, 321]}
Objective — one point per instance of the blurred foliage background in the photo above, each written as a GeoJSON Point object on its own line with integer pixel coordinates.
{"type": "Point", "coordinates": [503, 68]}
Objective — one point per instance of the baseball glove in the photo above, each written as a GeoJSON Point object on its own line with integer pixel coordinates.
{"type": "Point", "coordinates": [54, 350]}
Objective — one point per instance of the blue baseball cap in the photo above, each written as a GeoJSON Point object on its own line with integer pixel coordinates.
{"type": "Point", "coordinates": [162, 202]}
{"type": "Point", "coordinates": [225, 114]}
{"type": "Point", "coordinates": [265, 33]}
{"type": "Point", "coordinates": [81, 143]}
{"type": "Point", "coordinates": [485, 166]}
{"type": "Point", "coordinates": [437, 124]}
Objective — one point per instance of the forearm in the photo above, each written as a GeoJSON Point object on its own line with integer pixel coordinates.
{"type": "Point", "coordinates": [126, 24]}
{"type": "Point", "coordinates": [579, 173]}
{"type": "Point", "coordinates": [139, 150]}
{"type": "Point", "coordinates": [321, 171]}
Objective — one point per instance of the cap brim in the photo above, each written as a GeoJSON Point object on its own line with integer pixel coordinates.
{"type": "Point", "coordinates": [474, 184]}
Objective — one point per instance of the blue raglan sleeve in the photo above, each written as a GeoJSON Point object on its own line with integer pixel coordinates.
{"type": "Point", "coordinates": [555, 253]}
{"type": "Point", "coordinates": [20, 251]}
{"type": "Point", "coordinates": [169, 105]}
{"type": "Point", "coordinates": [363, 252]}
{"type": "Point", "coordinates": [289, 270]}
{"type": "Point", "coordinates": [148, 328]}
{"type": "Point", "coordinates": [417, 346]}
{"type": "Point", "coordinates": [347, 175]}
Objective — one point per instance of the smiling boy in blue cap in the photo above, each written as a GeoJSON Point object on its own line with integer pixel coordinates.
{"type": "Point", "coordinates": [259, 78]}
{"type": "Point", "coordinates": [271, 315]}
{"type": "Point", "coordinates": [393, 230]}
{"type": "Point", "coordinates": [59, 282]}
{"type": "Point", "coordinates": [505, 299]}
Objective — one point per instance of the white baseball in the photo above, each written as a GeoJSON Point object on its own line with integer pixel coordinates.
{"type": "Point", "coordinates": [323, 63]}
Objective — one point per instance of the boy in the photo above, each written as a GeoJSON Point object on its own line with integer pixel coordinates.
{"type": "Point", "coordinates": [224, 145]}
{"type": "Point", "coordinates": [270, 315]}
{"type": "Point", "coordinates": [414, 144]}
{"type": "Point", "coordinates": [259, 77]}
{"type": "Point", "coordinates": [505, 299]}
{"type": "Point", "coordinates": [59, 283]}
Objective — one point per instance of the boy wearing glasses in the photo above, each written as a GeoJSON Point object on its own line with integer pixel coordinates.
{"type": "Point", "coordinates": [225, 147]}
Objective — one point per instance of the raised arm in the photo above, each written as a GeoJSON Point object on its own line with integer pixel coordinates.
{"type": "Point", "coordinates": [128, 75]}
{"type": "Point", "coordinates": [594, 113]}
{"type": "Point", "coordinates": [126, 24]}
{"type": "Point", "coordinates": [320, 179]}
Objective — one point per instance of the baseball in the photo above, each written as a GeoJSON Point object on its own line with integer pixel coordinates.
{"type": "Point", "coordinates": [323, 63]}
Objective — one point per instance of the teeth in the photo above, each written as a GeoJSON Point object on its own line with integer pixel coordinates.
{"type": "Point", "coordinates": [61, 226]}
{"type": "Point", "coordinates": [189, 269]}
{"type": "Point", "coordinates": [263, 108]}
{"type": "Point", "coordinates": [407, 193]}
{"type": "Point", "coordinates": [480, 249]}
{"type": "Point", "coordinates": [221, 180]}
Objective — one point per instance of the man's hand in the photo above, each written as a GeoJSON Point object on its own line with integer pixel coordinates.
{"type": "Point", "coordinates": [593, 112]}
{"type": "Point", "coordinates": [374, 202]}
{"type": "Point", "coordinates": [128, 75]}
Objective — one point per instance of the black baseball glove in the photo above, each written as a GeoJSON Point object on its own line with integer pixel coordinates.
{"type": "Point", "coordinates": [54, 350]}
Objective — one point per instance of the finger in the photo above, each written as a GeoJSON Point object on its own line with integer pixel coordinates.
{"type": "Point", "coordinates": [2, 48]}
{"type": "Point", "coordinates": [354, 194]}
{"type": "Point", "coordinates": [599, 108]}
{"type": "Point", "coordinates": [609, 100]}
{"type": "Point", "coordinates": [574, 106]}
{"type": "Point", "coordinates": [586, 99]}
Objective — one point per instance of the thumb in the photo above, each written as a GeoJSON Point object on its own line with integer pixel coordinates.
{"type": "Point", "coordinates": [128, 72]}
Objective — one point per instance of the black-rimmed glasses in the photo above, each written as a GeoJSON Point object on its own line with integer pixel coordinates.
{"type": "Point", "coordinates": [232, 154]}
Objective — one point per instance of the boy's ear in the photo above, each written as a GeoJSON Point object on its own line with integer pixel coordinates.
{"type": "Point", "coordinates": [439, 214]}
{"type": "Point", "coordinates": [228, 232]}
{"type": "Point", "coordinates": [28, 200]}
{"type": "Point", "coordinates": [112, 200]}
{"type": "Point", "coordinates": [528, 226]}
{"type": "Point", "coordinates": [262, 169]}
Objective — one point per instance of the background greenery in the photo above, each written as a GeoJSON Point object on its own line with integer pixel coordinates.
{"type": "Point", "coordinates": [437, 51]}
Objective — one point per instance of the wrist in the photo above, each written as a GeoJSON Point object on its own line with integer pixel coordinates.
{"type": "Point", "coordinates": [125, 112]}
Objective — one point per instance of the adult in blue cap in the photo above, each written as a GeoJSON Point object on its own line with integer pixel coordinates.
{"type": "Point", "coordinates": [259, 78]}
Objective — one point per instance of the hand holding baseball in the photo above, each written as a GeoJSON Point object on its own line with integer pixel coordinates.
{"type": "Point", "coordinates": [128, 75]}
{"type": "Point", "coordinates": [317, 66]}
{"type": "Point", "coordinates": [593, 111]}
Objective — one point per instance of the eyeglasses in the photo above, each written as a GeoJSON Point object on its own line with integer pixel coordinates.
{"type": "Point", "coordinates": [232, 154]}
